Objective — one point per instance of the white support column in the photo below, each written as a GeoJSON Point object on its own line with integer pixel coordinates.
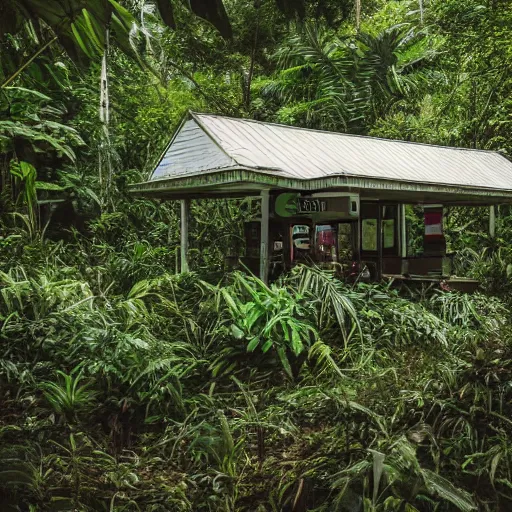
{"type": "Point", "coordinates": [403, 232]}
{"type": "Point", "coordinates": [264, 250]}
{"type": "Point", "coordinates": [185, 212]}
{"type": "Point", "coordinates": [492, 221]}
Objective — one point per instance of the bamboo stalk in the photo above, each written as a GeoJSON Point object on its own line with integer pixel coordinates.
{"type": "Point", "coordinates": [28, 62]}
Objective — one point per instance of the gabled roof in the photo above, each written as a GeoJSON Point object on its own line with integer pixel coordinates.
{"type": "Point", "coordinates": [207, 148]}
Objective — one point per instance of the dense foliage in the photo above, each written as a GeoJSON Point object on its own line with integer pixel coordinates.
{"type": "Point", "coordinates": [179, 394]}
{"type": "Point", "coordinates": [127, 386]}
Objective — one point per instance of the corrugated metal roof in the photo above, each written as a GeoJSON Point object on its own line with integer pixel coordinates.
{"type": "Point", "coordinates": [191, 151]}
{"type": "Point", "coordinates": [305, 154]}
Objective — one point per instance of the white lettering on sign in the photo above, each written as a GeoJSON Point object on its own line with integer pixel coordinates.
{"type": "Point", "coordinates": [310, 205]}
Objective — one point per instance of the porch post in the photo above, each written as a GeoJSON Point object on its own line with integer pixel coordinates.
{"type": "Point", "coordinates": [379, 242]}
{"type": "Point", "coordinates": [185, 212]}
{"type": "Point", "coordinates": [492, 221]}
{"type": "Point", "coordinates": [403, 232]}
{"type": "Point", "coordinates": [265, 207]}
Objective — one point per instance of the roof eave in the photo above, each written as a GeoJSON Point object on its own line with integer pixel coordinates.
{"type": "Point", "coordinates": [216, 181]}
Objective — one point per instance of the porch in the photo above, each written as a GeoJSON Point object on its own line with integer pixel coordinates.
{"type": "Point", "coordinates": [360, 240]}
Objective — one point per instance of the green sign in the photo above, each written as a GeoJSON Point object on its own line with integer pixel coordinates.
{"type": "Point", "coordinates": [287, 204]}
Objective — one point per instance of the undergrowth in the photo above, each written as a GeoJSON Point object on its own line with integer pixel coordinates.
{"type": "Point", "coordinates": [176, 392]}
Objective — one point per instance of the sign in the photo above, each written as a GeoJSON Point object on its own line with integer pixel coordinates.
{"type": "Point", "coordinates": [434, 224]}
{"type": "Point", "coordinates": [286, 204]}
{"type": "Point", "coordinates": [290, 204]}
{"type": "Point", "coordinates": [308, 205]}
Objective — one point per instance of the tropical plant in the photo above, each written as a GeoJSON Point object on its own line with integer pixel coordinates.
{"type": "Point", "coordinates": [346, 84]}
{"type": "Point", "coordinates": [67, 396]}
{"type": "Point", "coordinates": [399, 482]}
{"type": "Point", "coordinates": [269, 318]}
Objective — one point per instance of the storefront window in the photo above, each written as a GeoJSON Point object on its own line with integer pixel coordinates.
{"type": "Point", "coordinates": [369, 236]}
{"type": "Point", "coordinates": [301, 243]}
{"type": "Point", "coordinates": [325, 238]}
{"type": "Point", "coordinates": [370, 228]}
{"type": "Point", "coordinates": [388, 233]}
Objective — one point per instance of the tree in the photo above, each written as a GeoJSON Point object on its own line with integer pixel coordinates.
{"type": "Point", "coordinates": [346, 83]}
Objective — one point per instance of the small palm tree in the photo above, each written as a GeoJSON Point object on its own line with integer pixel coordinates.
{"type": "Point", "coordinates": [68, 397]}
{"type": "Point", "coordinates": [269, 318]}
{"type": "Point", "coordinates": [346, 84]}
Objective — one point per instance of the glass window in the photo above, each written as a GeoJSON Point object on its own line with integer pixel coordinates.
{"type": "Point", "coordinates": [301, 242]}
{"type": "Point", "coordinates": [346, 233]}
{"type": "Point", "coordinates": [325, 241]}
{"type": "Point", "coordinates": [388, 233]}
{"type": "Point", "coordinates": [369, 235]}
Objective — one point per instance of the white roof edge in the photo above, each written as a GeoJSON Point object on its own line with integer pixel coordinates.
{"type": "Point", "coordinates": [283, 175]}
{"type": "Point", "coordinates": [224, 177]}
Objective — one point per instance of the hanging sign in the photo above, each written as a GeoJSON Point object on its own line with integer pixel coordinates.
{"type": "Point", "coordinates": [433, 224]}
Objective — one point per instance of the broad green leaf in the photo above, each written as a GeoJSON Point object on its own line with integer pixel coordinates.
{"type": "Point", "coordinates": [253, 344]}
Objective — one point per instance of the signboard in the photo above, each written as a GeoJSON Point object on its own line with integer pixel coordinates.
{"type": "Point", "coordinates": [308, 205]}
{"type": "Point", "coordinates": [291, 204]}
{"type": "Point", "coordinates": [286, 204]}
{"type": "Point", "coordinates": [434, 224]}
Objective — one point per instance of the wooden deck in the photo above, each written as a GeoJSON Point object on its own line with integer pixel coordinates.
{"type": "Point", "coordinates": [461, 284]}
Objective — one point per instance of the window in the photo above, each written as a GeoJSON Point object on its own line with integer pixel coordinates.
{"type": "Point", "coordinates": [301, 243]}
{"type": "Point", "coordinates": [369, 236]}
{"type": "Point", "coordinates": [370, 228]}
{"type": "Point", "coordinates": [325, 242]}
{"type": "Point", "coordinates": [388, 233]}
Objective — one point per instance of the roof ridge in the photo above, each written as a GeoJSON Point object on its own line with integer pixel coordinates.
{"type": "Point", "coordinates": [196, 117]}
{"type": "Point", "coordinates": [341, 134]}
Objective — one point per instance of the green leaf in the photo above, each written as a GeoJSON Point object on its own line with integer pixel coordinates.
{"type": "Point", "coordinates": [80, 41]}
{"type": "Point", "coordinates": [91, 30]}
{"type": "Point", "coordinates": [237, 332]}
{"type": "Point", "coordinates": [267, 346]}
{"type": "Point", "coordinates": [253, 344]}
{"type": "Point", "coordinates": [124, 15]}
{"type": "Point", "coordinates": [29, 91]}
{"type": "Point", "coordinates": [441, 487]}
{"type": "Point", "coordinates": [284, 361]}
{"type": "Point", "coordinates": [43, 185]}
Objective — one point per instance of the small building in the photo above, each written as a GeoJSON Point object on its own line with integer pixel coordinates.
{"type": "Point", "coordinates": [326, 197]}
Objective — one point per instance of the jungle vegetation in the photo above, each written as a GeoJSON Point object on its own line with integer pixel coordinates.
{"type": "Point", "coordinates": [126, 386]}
